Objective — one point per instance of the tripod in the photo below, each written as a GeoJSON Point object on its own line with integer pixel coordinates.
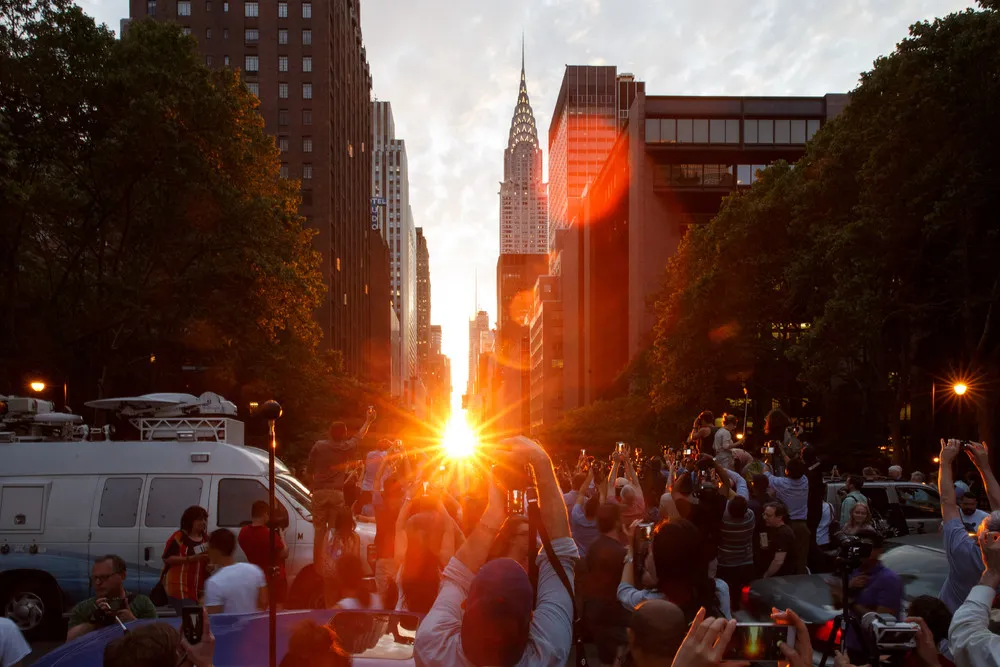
{"type": "Point", "coordinates": [849, 620]}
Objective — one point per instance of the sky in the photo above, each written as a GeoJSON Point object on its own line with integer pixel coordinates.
{"type": "Point", "coordinates": [451, 70]}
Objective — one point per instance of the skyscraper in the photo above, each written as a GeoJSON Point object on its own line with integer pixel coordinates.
{"type": "Point", "coordinates": [523, 202]}
{"type": "Point", "coordinates": [479, 326]}
{"type": "Point", "coordinates": [307, 64]}
{"type": "Point", "coordinates": [423, 301]}
{"type": "Point", "coordinates": [390, 182]}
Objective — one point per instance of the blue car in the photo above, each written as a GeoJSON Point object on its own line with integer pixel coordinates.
{"type": "Point", "coordinates": [377, 638]}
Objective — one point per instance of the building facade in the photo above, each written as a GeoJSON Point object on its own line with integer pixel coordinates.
{"type": "Point", "coordinates": [479, 326]}
{"type": "Point", "coordinates": [423, 301]}
{"type": "Point", "coordinates": [390, 183]}
{"type": "Point", "coordinates": [546, 356]}
{"type": "Point", "coordinates": [670, 168]}
{"type": "Point", "coordinates": [306, 62]}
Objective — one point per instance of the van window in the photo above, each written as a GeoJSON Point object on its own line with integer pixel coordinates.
{"type": "Point", "coordinates": [120, 502]}
{"type": "Point", "coordinates": [919, 503]}
{"type": "Point", "coordinates": [236, 496]}
{"type": "Point", "coordinates": [168, 498]}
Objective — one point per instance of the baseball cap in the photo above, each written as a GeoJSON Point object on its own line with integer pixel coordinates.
{"type": "Point", "coordinates": [621, 482]}
{"type": "Point", "coordinates": [497, 621]}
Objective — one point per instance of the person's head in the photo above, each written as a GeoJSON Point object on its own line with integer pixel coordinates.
{"type": "Point", "coordinates": [969, 504]}
{"type": "Point", "coordinates": [314, 644]}
{"type": "Point", "coordinates": [656, 631]}
{"type": "Point", "coordinates": [221, 546]}
{"type": "Point", "coordinates": [729, 422]}
{"type": "Point", "coordinates": [364, 498]}
{"type": "Point", "coordinates": [513, 541]}
{"type": "Point", "coordinates": [194, 521]}
{"type": "Point", "coordinates": [678, 564]}
{"type": "Point", "coordinates": [991, 524]}
{"type": "Point", "coordinates": [630, 495]}
{"type": "Point", "coordinates": [707, 418]}
{"type": "Point", "coordinates": [260, 512]}
{"type": "Point", "coordinates": [351, 577]}
{"type": "Point", "coordinates": [682, 487]}
{"type": "Point", "coordinates": [935, 614]}
{"type": "Point", "coordinates": [869, 473]}
{"type": "Point", "coordinates": [759, 484]}
{"type": "Point", "coordinates": [385, 445]}
{"type": "Point", "coordinates": [878, 547]}
{"type": "Point", "coordinates": [775, 514]}
{"type": "Point", "coordinates": [917, 477]}
{"type": "Point", "coordinates": [338, 431]}
{"type": "Point", "coordinates": [737, 508]}
{"type": "Point", "coordinates": [861, 514]}
{"type": "Point", "coordinates": [609, 518]}
{"type": "Point", "coordinates": [108, 576]}
{"type": "Point", "coordinates": [590, 507]}
{"type": "Point", "coordinates": [775, 423]}
{"type": "Point", "coordinates": [578, 480]}
{"type": "Point", "coordinates": [343, 522]}
{"type": "Point", "coordinates": [497, 621]}
{"type": "Point", "coordinates": [895, 473]}
{"type": "Point", "coordinates": [150, 645]}
{"type": "Point", "coordinates": [796, 469]}
{"type": "Point", "coordinates": [854, 483]}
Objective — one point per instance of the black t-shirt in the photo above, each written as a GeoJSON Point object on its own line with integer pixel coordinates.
{"type": "Point", "coordinates": [605, 561]}
{"type": "Point", "coordinates": [776, 540]}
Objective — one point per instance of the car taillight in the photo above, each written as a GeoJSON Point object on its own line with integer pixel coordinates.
{"type": "Point", "coordinates": [825, 631]}
{"type": "Point", "coordinates": [745, 597]}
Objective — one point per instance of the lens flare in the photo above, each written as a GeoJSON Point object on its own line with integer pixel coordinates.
{"type": "Point", "coordinates": [459, 439]}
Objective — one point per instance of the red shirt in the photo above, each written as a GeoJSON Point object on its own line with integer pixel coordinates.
{"type": "Point", "coordinates": [185, 581]}
{"type": "Point", "coordinates": [256, 542]}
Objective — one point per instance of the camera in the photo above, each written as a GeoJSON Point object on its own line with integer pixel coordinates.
{"type": "Point", "coordinates": [888, 635]}
{"type": "Point", "coordinates": [101, 617]}
{"type": "Point", "coordinates": [642, 542]}
{"type": "Point", "coordinates": [853, 550]}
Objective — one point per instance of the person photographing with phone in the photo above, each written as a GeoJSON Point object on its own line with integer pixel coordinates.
{"type": "Point", "coordinates": [972, 642]}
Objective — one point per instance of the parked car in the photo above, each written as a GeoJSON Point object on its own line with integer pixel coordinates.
{"type": "Point", "coordinates": [918, 504]}
{"type": "Point", "coordinates": [919, 560]}
{"type": "Point", "coordinates": [373, 638]}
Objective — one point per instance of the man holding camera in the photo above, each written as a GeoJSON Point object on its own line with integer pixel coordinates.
{"type": "Point", "coordinates": [110, 601]}
{"type": "Point", "coordinates": [487, 613]}
{"type": "Point", "coordinates": [965, 562]}
{"type": "Point", "coordinates": [972, 642]}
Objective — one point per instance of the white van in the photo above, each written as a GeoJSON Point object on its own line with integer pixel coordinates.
{"type": "Point", "coordinates": [63, 503]}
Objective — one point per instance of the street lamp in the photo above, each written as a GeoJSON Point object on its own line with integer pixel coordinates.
{"type": "Point", "coordinates": [960, 388]}
{"type": "Point", "coordinates": [37, 386]}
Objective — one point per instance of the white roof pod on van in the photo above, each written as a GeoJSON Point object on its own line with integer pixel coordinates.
{"type": "Point", "coordinates": [178, 417]}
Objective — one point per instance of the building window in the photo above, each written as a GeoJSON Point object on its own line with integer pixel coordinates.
{"type": "Point", "coordinates": [307, 10]}
{"type": "Point", "coordinates": [307, 91]}
{"type": "Point", "coordinates": [307, 197]}
{"type": "Point", "coordinates": [186, 31]}
{"type": "Point", "coordinates": [225, 60]}
{"type": "Point", "coordinates": [307, 144]}
{"type": "Point", "coordinates": [283, 144]}
{"type": "Point", "coordinates": [251, 63]}
{"type": "Point", "coordinates": [208, 33]}
{"type": "Point", "coordinates": [283, 171]}
{"type": "Point", "coordinates": [225, 33]}
{"type": "Point", "coordinates": [798, 132]}
{"type": "Point", "coordinates": [282, 63]}
{"type": "Point", "coordinates": [253, 87]}
{"type": "Point", "coordinates": [812, 127]}
{"type": "Point", "coordinates": [151, 8]}
{"type": "Point", "coordinates": [251, 35]}
{"type": "Point", "coordinates": [225, 7]}
{"type": "Point", "coordinates": [307, 117]}
{"type": "Point", "coordinates": [307, 64]}
{"type": "Point", "coordinates": [208, 61]}
{"type": "Point", "coordinates": [350, 149]}
{"type": "Point", "coordinates": [208, 5]}
{"type": "Point", "coordinates": [282, 37]}
{"type": "Point", "coordinates": [307, 172]}
{"type": "Point", "coordinates": [251, 9]}
{"type": "Point", "coordinates": [184, 8]}
{"type": "Point", "coordinates": [283, 91]}
{"type": "Point", "coordinates": [282, 10]}
{"type": "Point", "coordinates": [307, 37]}
{"type": "Point", "coordinates": [282, 117]}
{"type": "Point", "coordinates": [782, 132]}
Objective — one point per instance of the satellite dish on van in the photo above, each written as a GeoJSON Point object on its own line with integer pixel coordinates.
{"type": "Point", "coordinates": [167, 405]}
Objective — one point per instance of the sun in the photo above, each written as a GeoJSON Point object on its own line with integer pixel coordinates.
{"type": "Point", "coordinates": [459, 439]}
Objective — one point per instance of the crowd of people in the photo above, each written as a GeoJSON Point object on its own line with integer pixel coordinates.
{"type": "Point", "coordinates": [640, 559]}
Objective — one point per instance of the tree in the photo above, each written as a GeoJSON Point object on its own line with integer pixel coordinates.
{"type": "Point", "coordinates": [598, 426]}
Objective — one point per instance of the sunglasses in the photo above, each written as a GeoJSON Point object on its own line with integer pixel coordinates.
{"type": "Point", "coordinates": [101, 578]}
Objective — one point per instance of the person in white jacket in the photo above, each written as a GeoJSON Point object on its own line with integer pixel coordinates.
{"type": "Point", "coordinates": [972, 642]}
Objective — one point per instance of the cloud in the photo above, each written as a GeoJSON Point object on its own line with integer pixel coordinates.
{"type": "Point", "coordinates": [451, 71]}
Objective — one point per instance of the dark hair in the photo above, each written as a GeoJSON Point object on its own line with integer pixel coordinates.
{"type": "Point", "coordinates": [683, 484]}
{"type": "Point", "coordinates": [779, 509]}
{"type": "Point", "coordinates": [737, 507]}
{"type": "Point", "coordinates": [150, 645]}
{"type": "Point", "coordinates": [578, 480]}
{"type": "Point", "coordinates": [775, 423]}
{"type": "Point", "coordinates": [314, 644]}
{"type": "Point", "coordinates": [857, 481]}
{"type": "Point", "coordinates": [343, 521]}
{"type": "Point", "coordinates": [706, 417]}
{"type": "Point", "coordinates": [419, 579]}
{"type": "Point", "coordinates": [191, 515]}
{"type": "Point", "coordinates": [796, 469]}
{"type": "Point", "coordinates": [364, 498]}
{"type": "Point", "coordinates": [338, 431]}
{"type": "Point", "coordinates": [871, 535]}
{"type": "Point", "coordinates": [351, 579]}
{"type": "Point", "coordinates": [117, 562]}
{"type": "Point", "coordinates": [608, 516]}
{"type": "Point", "coordinates": [759, 484]}
{"type": "Point", "coordinates": [935, 614]}
{"type": "Point", "coordinates": [222, 540]}
{"type": "Point", "coordinates": [259, 508]}
{"type": "Point", "coordinates": [681, 568]}
{"type": "Point", "coordinates": [590, 507]}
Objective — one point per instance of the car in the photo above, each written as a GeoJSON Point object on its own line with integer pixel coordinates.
{"type": "Point", "coordinates": [920, 561]}
{"type": "Point", "coordinates": [918, 504]}
{"type": "Point", "coordinates": [373, 638]}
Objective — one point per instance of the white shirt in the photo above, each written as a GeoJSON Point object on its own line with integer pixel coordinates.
{"type": "Point", "coordinates": [972, 643]}
{"type": "Point", "coordinates": [12, 645]}
{"type": "Point", "coordinates": [235, 588]}
{"type": "Point", "coordinates": [823, 529]}
{"type": "Point", "coordinates": [972, 521]}
{"type": "Point", "coordinates": [354, 603]}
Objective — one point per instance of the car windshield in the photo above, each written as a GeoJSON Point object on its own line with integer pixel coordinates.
{"type": "Point", "coordinates": [376, 636]}
{"type": "Point", "coordinates": [298, 492]}
{"type": "Point", "coordinates": [923, 570]}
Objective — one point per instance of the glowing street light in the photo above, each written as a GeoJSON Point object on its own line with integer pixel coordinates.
{"type": "Point", "coordinates": [37, 386]}
{"type": "Point", "coordinates": [960, 388]}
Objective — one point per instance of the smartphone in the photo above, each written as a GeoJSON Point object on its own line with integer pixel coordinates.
{"type": "Point", "coordinates": [583, 453]}
{"type": "Point", "coordinates": [759, 642]}
{"type": "Point", "coordinates": [621, 447]}
{"type": "Point", "coordinates": [191, 624]}
{"type": "Point", "coordinates": [687, 452]}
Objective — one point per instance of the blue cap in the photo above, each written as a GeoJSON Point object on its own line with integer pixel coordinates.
{"type": "Point", "coordinates": [497, 621]}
